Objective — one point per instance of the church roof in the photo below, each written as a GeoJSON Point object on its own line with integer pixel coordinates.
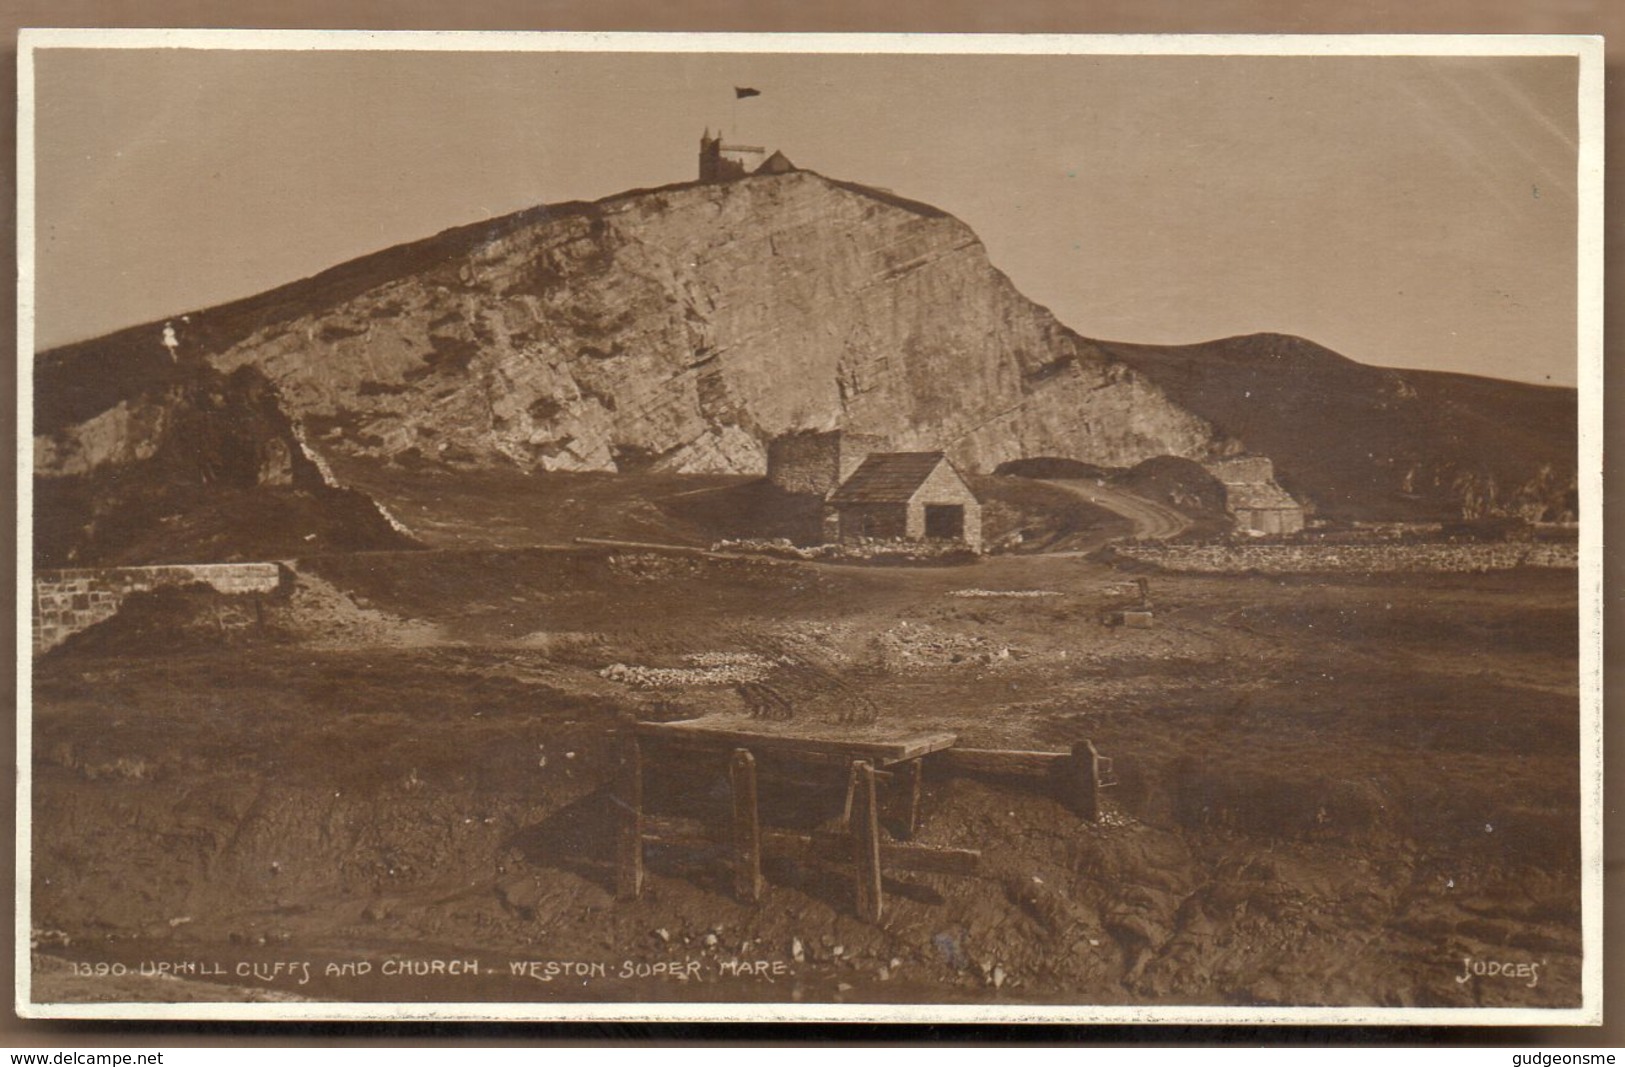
{"type": "Point", "coordinates": [777, 163]}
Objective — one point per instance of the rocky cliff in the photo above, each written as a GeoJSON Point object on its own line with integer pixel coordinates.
{"type": "Point", "coordinates": [675, 329]}
{"type": "Point", "coordinates": [680, 329]}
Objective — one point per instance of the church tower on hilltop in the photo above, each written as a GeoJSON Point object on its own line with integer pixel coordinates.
{"type": "Point", "coordinates": [724, 162]}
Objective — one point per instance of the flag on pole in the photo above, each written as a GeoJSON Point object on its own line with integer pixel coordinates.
{"type": "Point", "coordinates": [740, 94]}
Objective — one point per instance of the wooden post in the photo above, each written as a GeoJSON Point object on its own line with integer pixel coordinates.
{"type": "Point", "coordinates": [851, 791]}
{"type": "Point", "coordinates": [747, 837]}
{"type": "Point", "coordinates": [865, 829]}
{"type": "Point", "coordinates": [629, 804]}
{"type": "Point", "coordinates": [908, 783]}
{"type": "Point", "coordinates": [1084, 780]}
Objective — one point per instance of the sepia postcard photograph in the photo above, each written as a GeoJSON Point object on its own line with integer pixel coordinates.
{"type": "Point", "coordinates": [723, 527]}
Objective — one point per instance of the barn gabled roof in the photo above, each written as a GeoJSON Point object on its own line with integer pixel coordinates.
{"type": "Point", "coordinates": [887, 478]}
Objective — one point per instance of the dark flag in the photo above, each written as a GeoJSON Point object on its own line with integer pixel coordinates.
{"type": "Point", "coordinates": [740, 94]}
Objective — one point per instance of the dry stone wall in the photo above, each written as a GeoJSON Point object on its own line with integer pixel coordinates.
{"type": "Point", "coordinates": [68, 601]}
{"type": "Point", "coordinates": [1300, 559]}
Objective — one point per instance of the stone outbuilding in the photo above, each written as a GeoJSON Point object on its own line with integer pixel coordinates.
{"type": "Point", "coordinates": [905, 496]}
{"type": "Point", "coordinates": [1253, 497]}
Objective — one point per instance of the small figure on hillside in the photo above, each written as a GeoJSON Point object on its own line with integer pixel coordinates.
{"type": "Point", "coordinates": [171, 342]}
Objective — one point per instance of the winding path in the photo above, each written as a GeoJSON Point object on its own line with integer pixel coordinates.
{"type": "Point", "coordinates": [1152, 521]}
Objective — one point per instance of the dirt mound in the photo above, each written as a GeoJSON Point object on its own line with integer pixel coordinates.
{"type": "Point", "coordinates": [211, 470]}
{"type": "Point", "coordinates": [1181, 483]}
{"type": "Point", "coordinates": [178, 617]}
{"type": "Point", "coordinates": [305, 610]}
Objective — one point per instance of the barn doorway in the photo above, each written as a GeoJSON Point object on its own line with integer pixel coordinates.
{"type": "Point", "coordinates": [945, 522]}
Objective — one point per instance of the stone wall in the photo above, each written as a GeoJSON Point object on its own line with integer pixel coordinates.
{"type": "Point", "coordinates": [816, 463]}
{"type": "Point", "coordinates": [1298, 559]}
{"type": "Point", "coordinates": [945, 486]}
{"type": "Point", "coordinates": [1283, 520]}
{"type": "Point", "coordinates": [68, 601]}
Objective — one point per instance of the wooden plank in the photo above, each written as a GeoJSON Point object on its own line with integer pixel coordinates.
{"type": "Point", "coordinates": [924, 859]}
{"type": "Point", "coordinates": [674, 830]}
{"type": "Point", "coordinates": [822, 845]}
{"type": "Point", "coordinates": [866, 844]}
{"type": "Point", "coordinates": [644, 546]}
{"type": "Point", "coordinates": [810, 769]}
{"type": "Point", "coordinates": [999, 761]}
{"type": "Point", "coordinates": [881, 751]}
{"type": "Point", "coordinates": [682, 833]}
{"type": "Point", "coordinates": [694, 746]}
{"type": "Point", "coordinates": [629, 799]}
{"type": "Point", "coordinates": [851, 792]}
{"type": "Point", "coordinates": [747, 832]}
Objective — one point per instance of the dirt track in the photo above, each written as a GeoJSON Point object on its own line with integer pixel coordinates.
{"type": "Point", "coordinates": [1152, 520]}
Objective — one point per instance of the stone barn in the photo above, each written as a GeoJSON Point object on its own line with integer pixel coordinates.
{"type": "Point", "coordinates": [906, 496]}
{"type": "Point", "coordinates": [1264, 509]}
{"type": "Point", "coordinates": [1253, 497]}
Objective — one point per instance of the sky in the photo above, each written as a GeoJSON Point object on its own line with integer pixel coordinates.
{"type": "Point", "coordinates": [1404, 211]}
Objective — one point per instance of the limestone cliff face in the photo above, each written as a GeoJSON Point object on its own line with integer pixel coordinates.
{"type": "Point", "coordinates": [681, 329]}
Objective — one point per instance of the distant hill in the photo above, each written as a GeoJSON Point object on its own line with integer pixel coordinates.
{"type": "Point", "coordinates": [1370, 442]}
{"type": "Point", "coordinates": [677, 330]}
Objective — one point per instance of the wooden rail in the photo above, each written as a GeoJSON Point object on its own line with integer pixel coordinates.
{"type": "Point", "coordinates": [1078, 776]}
{"type": "Point", "coordinates": [718, 732]}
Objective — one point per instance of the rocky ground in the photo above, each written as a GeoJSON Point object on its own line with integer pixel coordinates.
{"type": "Point", "coordinates": [1338, 790]}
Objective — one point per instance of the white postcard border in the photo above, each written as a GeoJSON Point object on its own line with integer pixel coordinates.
{"type": "Point", "coordinates": [1588, 50]}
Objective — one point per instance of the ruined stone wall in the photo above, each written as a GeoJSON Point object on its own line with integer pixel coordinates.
{"type": "Point", "coordinates": [805, 462]}
{"type": "Point", "coordinates": [1300, 559]}
{"type": "Point", "coordinates": [68, 601]}
{"type": "Point", "coordinates": [816, 463]}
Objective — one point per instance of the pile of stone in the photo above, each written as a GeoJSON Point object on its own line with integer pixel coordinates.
{"type": "Point", "coordinates": [704, 668]}
{"type": "Point", "coordinates": [914, 646]}
{"type": "Point", "coordinates": [866, 549]}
